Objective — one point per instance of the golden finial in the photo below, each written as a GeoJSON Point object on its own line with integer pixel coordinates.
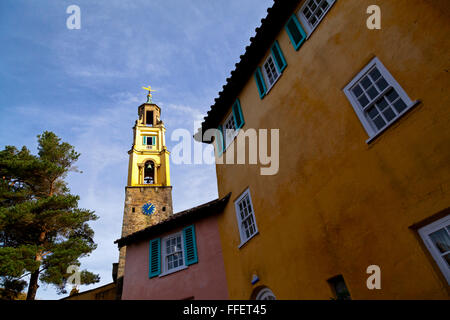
{"type": "Point", "coordinates": [149, 95]}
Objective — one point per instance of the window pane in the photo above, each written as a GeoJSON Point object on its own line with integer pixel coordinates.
{"type": "Point", "coordinates": [399, 105]}
{"type": "Point", "coordinates": [366, 82]}
{"type": "Point", "coordinates": [357, 91]}
{"type": "Point", "coordinates": [379, 122]}
{"type": "Point", "coordinates": [441, 240]}
{"type": "Point", "coordinates": [382, 104]}
{"type": "Point", "coordinates": [389, 114]}
{"type": "Point", "coordinates": [373, 112]}
{"type": "Point", "coordinates": [363, 101]}
{"type": "Point", "coordinates": [382, 84]}
{"type": "Point", "coordinates": [375, 74]}
{"type": "Point", "coordinates": [392, 95]}
{"type": "Point", "coordinates": [372, 92]}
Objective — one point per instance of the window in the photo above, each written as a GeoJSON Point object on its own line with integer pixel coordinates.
{"type": "Point", "coordinates": [230, 128]}
{"type": "Point", "coordinates": [173, 253]}
{"type": "Point", "coordinates": [265, 294]}
{"type": "Point", "coordinates": [245, 217]}
{"type": "Point", "coordinates": [271, 70]}
{"type": "Point", "coordinates": [377, 98]}
{"type": "Point", "coordinates": [313, 12]}
{"type": "Point", "coordinates": [149, 140]}
{"type": "Point", "coordinates": [295, 32]}
{"type": "Point", "coordinates": [436, 237]}
{"type": "Point", "coordinates": [339, 288]}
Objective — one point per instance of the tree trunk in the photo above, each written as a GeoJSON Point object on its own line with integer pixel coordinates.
{"type": "Point", "coordinates": [33, 285]}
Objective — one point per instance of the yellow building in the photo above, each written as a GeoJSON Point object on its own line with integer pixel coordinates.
{"type": "Point", "coordinates": [364, 157]}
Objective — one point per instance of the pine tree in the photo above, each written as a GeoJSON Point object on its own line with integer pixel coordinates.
{"type": "Point", "coordinates": [42, 230]}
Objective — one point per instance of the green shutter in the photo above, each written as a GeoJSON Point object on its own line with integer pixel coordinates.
{"type": "Point", "coordinates": [190, 246]}
{"type": "Point", "coordinates": [153, 141]}
{"type": "Point", "coordinates": [260, 83]}
{"type": "Point", "coordinates": [155, 258]}
{"type": "Point", "coordinates": [295, 32]}
{"type": "Point", "coordinates": [238, 117]}
{"type": "Point", "coordinates": [219, 140]}
{"type": "Point", "coordinates": [278, 56]}
{"type": "Point", "coordinates": [144, 142]}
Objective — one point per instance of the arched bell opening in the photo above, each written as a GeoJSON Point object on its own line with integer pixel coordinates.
{"type": "Point", "coordinates": [149, 172]}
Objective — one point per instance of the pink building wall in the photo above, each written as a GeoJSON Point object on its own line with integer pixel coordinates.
{"type": "Point", "coordinates": [203, 280]}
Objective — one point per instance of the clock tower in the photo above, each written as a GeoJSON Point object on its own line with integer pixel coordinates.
{"type": "Point", "coordinates": [148, 194]}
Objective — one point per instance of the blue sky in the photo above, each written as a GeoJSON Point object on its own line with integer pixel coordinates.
{"type": "Point", "coordinates": [85, 85]}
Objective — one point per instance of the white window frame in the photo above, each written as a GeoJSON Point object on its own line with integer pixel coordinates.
{"type": "Point", "coordinates": [229, 138]}
{"type": "Point", "coordinates": [424, 233]}
{"type": "Point", "coordinates": [164, 255]}
{"type": "Point", "coordinates": [370, 128]}
{"type": "Point", "coordinates": [305, 22]}
{"type": "Point", "coordinates": [266, 76]}
{"type": "Point", "coordinates": [243, 236]}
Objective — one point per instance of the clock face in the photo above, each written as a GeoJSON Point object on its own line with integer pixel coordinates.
{"type": "Point", "coordinates": [148, 209]}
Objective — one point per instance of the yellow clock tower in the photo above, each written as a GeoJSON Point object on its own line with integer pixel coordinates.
{"type": "Point", "coordinates": [148, 194]}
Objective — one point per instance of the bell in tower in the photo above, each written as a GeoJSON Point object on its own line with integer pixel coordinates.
{"type": "Point", "coordinates": [148, 194]}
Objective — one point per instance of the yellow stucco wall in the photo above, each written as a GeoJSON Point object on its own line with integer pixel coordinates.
{"type": "Point", "coordinates": [338, 204]}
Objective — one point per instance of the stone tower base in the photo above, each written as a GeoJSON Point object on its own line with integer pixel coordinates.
{"type": "Point", "coordinates": [133, 218]}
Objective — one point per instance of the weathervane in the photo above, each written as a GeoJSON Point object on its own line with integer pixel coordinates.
{"type": "Point", "coordinates": [149, 95]}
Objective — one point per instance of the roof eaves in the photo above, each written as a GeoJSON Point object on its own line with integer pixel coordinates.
{"type": "Point", "coordinates": [277, 15]}
{"type": "Point", "coordinates": [176, 220]}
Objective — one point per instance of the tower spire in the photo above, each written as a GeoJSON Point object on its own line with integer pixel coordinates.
{"type": "Point", "coordinates": [149, 95]}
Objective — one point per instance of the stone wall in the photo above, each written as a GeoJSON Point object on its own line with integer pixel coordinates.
{"type": "Point", "coordinates": [133, 218]}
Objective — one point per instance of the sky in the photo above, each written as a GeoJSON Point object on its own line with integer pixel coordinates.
{"type": "Point", "coordinates": [85, 85]}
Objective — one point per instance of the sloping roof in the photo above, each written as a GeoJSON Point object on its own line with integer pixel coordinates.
{"type": "Point", "coordinates": [176, 220]}
{"type": "Point", "coordinates": [275, 20]}
{"type": "Point", "coordinates": [107, 286]}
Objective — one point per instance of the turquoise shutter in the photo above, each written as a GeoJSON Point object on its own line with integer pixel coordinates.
{"type": "Point", "coordinates": [260, 83]}
{"type": "Point", "coordinates": [219, 140]}
{"type": "Point", "coordinates": [237, 112]}
{"type": "Point", "coordinates": [190, 246]}
{"type": "Point", "coordinates": [144, 142]}
{"type": "Point", "coordinates": [153, 141]}
{"type": "Point", "coordinates": [155, 258]}
{"type": "Point", "coordinates": [278, 56]}
{"type": "Point", "coordinates": [295, 32]}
